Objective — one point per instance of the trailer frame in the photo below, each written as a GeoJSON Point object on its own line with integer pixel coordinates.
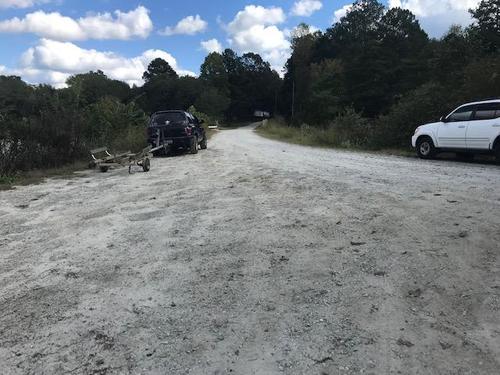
{"type": "Point", "coordinates": [104, 160]}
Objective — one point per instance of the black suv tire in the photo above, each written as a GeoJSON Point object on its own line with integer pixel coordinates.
{"type": "Point", "coordinates": [194, 145]}
{"type": "Point", "coordinates": [203, 143]}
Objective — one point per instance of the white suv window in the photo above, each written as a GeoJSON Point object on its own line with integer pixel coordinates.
{"type": "Point", "coordinates": [487, 111]}
{"type": "Point", "coordinates": [462, 114]}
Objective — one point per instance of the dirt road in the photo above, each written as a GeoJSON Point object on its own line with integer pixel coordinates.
{"type": "Point", "coordinates": [255, 257]}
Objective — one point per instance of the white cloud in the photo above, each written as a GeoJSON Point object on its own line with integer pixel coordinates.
{"type": "Point", "coordinates": [261, 38]}
{"type": "Point", "coordinates": [437, 16]}
{"type": "Point", "coordinates": [254, 29]}
{"type": "Point", "coordinates": [339, 13]}
{"type": "Point", "coordinates": [253, 15]}
{"type": "Point", "coordinates": [427, 8]}
{"type": "Point", "coordinates": [313, 29]}
{"type": "Point", "coordinates": [53, 62]}
{"type": "Point", "coordinates": [306, 8]}
{"type": "Point", "coordinates": [190, 25]}
{"type": "Point", "coordinates": [21, 3]}
{"type": "Point", "coordinates": [212, 45]}
{"type": "Point", "coordinates": [121, 25]}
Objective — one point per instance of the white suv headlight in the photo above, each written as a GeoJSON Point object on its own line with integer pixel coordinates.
{"type": "Point", "coordinates": [417, 130]}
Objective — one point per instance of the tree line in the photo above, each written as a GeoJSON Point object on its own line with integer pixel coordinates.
{"type": "Point", "coordinates": [370, 80]}
{"type": "Point", "coordinates": [375, 75]}
{"type": "Point", "coordinates": [44, 127]}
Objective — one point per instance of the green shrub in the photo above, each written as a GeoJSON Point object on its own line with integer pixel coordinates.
{"type": "Point", "coordinates": [423, 105]}
{"type": "Point", "coordinates": [121, 127]}
{"type": "Point", "coordinates": [349, 129]}
{"type": "Point", "coordinates": [207, 120]}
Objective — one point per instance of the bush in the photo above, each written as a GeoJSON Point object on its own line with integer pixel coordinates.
{"type": "Point", "coordinates": [118, 126]}
{"type": "Point", "coordinates": [423, 105]}
{"type": "Point", "coordinates": [207, 120]}
{"type": "Point", "coordinates": [349, 129]}
{"type": "Point", "coordinates": [482, 79]}
{"type": "Point", "coordinates": [41, 127]}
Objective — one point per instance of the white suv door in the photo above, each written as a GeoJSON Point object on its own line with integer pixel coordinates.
{"type": "Point", "coordinates": [483, 126]}
{"type": "Point", "coordinates": [451, 133]}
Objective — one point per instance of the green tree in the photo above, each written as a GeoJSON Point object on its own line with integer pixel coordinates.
{"type": "Point", "coordinates": [117, 125]}
{"type": "Point", "coordinates": [296, 87]}
{"type": "Point", "coordinates": [355, 39]}
{"type": "Point", "coordinates": [402, 60]}
{"type": "Point", "coordinates": [232, 62]}
{"type": "Point", "coordinates": [487, 26]}
{"type": "Point", "coordinates": [359, 26]}
{"type": "Point", "coordinates": [158, 94]}
{"type": "Point", "coordinates": [213, 72]}
{"type": "Point", "coordinates": [212, 102]}
{"type": "Point", "coordinates": [92, 86]}
{"type": "Point", "coordinates": [450, 55]}
{"type": "Point", "coordinates": [159, 68]}
{"type": "Point", "coordinates": [187, 91]}
{"type": "Point", "coordinates": [14, 96]}
{"type": "Point", "coordinates": [481, 79]}
{"type": "Point", "coordinates": [326, 92]}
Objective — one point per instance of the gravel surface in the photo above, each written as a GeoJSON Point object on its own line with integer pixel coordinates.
{"type": "Point", "coordinates": [255, 257]}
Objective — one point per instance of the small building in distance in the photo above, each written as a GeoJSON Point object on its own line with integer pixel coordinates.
{"type": "Point", "coordinates": [261, 114]}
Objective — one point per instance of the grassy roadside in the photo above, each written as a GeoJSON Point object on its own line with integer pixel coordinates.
{"type": "Point", "coordinates": [40, 175]}
{"type": "Point", "coordinates": [315, 137]}
{"type": "Point", "coordinates": [327, 138]}
{"type": "Point", "coordinates": [210, 133]}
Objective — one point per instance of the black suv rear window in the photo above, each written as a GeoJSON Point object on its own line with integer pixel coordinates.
{"type": "Point", "coordinates": [168, 117]}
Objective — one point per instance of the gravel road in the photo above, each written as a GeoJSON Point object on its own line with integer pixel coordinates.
{"type": "Point", "coordinates": [254, 257]}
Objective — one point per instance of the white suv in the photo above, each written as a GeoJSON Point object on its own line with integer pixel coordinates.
{"type": "Point", "coordinates": [469, 129]}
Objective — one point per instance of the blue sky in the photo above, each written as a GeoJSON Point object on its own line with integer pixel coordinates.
{"type": "Point", "coordinates": [48, 40]}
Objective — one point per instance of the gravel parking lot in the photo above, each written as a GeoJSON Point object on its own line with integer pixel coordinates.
{"type": "Point", "coordinates": [254, 257]}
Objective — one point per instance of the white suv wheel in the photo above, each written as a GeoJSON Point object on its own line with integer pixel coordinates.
{"type": "Point", "coordinates": [425, 148]}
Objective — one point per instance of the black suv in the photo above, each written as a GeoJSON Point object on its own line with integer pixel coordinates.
{"type": "Point", "coordinates": [176, 130]}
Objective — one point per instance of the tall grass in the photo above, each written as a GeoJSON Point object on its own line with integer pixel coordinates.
{"type": "Point", "coordinates": [347, 131]}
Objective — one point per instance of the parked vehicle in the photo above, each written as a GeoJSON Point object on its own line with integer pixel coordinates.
{"type": "Point", "coordinates": [176, 130]}
{"type": "Point", "coordinates": [473, 128]}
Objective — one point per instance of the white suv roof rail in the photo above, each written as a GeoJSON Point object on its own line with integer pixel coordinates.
{"type": "Point", "coordinates": [497, 100]}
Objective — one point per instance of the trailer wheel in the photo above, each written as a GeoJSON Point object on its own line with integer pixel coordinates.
{"type": "Point", "coordinates": [104, 169]}
{"type": "Point", "coordinates": [146, 165]}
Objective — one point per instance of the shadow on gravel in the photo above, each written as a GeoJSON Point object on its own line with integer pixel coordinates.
{"type": "Point", "coordinates": [475, 159]}
{"type": "Point", "coordinates": [173, 154]}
